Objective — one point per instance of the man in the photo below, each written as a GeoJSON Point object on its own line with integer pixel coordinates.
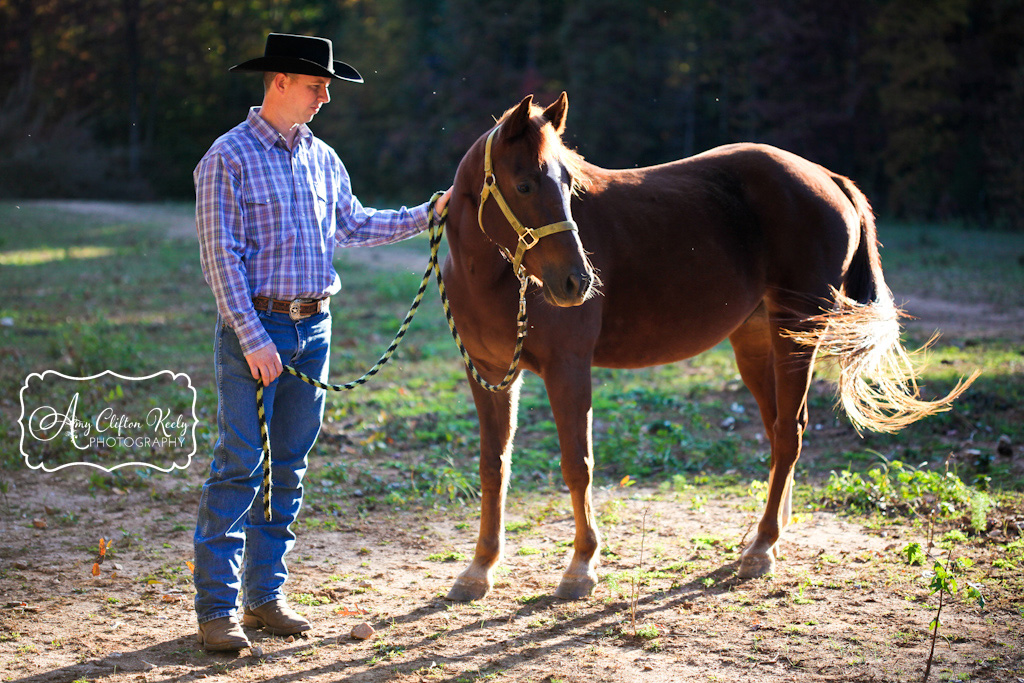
{"type": "Point", "coordinates": [272, 201]}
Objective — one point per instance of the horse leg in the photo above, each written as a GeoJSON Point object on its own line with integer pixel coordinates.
{"type": "Point", "coordinates": [752, 345]}
{"type": "Point", "coordinates": [792, 366]}
{"type": "Point", "coordinates": [497, 415]}
{"type": "Point", "coordinates": [569, 392]}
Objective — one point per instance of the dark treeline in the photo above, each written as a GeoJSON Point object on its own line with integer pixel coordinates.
{"type": "Point", "coordinates": [920, 101]}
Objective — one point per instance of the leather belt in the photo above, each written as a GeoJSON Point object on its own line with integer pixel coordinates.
{"type": "Point", "coordinates": [296, 309]}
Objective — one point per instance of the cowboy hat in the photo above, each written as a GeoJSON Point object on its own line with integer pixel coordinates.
{"type": "Point", "coordinates": [306, 55]}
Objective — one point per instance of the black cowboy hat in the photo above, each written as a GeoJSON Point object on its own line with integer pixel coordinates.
{"type": "Point", "coordinates": [307, 55]}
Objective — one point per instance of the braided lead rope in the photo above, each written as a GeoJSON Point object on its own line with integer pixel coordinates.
{"type": "Point", "coordinates": [520, 325]}
{"type": "Point", "coordinates": [436, 227]}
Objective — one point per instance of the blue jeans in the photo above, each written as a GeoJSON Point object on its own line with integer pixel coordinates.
{"type": "Point", "coordinates": [236, 550]}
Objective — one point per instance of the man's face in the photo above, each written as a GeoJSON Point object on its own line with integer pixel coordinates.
{"type": "Point", "coordinates": [304, 95]}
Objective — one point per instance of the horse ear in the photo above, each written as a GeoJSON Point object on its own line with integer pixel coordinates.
{"type": "Point", "coordinates": [515, 123]}
{"type": "Point", "coordinates": [556, 113]}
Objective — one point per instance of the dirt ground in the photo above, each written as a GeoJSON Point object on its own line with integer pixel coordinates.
{"type": "Point", "coordinates": [842, 607]}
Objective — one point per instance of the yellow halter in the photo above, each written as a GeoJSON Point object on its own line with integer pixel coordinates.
{"type": "Point", "coordinates": [528, 237]}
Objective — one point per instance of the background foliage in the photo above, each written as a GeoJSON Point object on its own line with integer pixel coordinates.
{"type": "Point", "coordinates": [920, 101]}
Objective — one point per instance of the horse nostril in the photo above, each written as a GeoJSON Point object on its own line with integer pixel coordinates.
{"type": "Point", "coordinates": [572, 285]}
{"type": "Point", "coordinates": [578, 284]}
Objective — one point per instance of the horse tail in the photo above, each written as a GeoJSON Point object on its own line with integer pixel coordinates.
{"type": "Point", "coordinates": [877, 384]}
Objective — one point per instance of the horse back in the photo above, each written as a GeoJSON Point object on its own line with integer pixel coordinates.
{"type": "Point", "coordinates": [689, 249]}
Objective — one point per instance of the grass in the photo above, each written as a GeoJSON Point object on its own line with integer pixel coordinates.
{"type": "Point", "coordinates": [894, 488]}
{"type": "Point", "coordinates": [447, 556]}
{"type": "Point", "coordinates": [120, 295]}
{"type": "Point", "coordinates": [950, 263]}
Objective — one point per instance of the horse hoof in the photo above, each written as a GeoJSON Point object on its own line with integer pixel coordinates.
{"type": "Point", "coordinates": [754, 565]}
{"type": "Point", "coordinates": [575, 588]}
{"type": "Point", "coordinates": [468, 590]}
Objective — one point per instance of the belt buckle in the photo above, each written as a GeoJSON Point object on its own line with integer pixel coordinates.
{"type": "Point", "coordinates": [293, 310]}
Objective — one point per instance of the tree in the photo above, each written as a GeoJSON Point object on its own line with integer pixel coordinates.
{"type": "Point", "coordinates": [918, 97]}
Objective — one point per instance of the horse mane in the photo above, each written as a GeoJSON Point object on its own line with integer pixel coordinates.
{"type": "Point", "coordinates": [541, 136]}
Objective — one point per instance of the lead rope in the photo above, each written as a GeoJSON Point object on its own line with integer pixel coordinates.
{"type": "Point", "coordinates": [436, 228]}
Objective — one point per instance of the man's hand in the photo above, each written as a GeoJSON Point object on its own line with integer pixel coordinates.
{"type": "Point", "coordinates": [265, 363]}
{"type": "Point", "coordinates": [442, 201]}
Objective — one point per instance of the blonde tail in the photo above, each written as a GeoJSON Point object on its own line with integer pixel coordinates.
{"type": "Point", "coordinates": [877, 378]}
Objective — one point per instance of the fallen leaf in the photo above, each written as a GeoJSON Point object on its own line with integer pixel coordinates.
{"type": "Point", "coordinates": [191, 567]}
{"type": "Point", "coordinates": [95, 568]}
{"type": "Point", "coordinates": [355, 611]}
{"type": "Point", "coordinates": [39, 523]}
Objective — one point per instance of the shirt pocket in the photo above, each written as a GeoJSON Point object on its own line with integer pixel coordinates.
{"type": "Point", "coordinates": [320, 205]}
{"type": "Point", "coordinates": [264, 215]}
{"type": "Point", "coordinates": [325, 200]}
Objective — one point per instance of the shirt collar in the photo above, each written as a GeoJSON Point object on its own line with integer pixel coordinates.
{"type": "Point", "coordinates": [268, 136]}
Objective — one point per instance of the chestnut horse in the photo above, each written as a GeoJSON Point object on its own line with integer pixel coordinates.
{"type": "Point", "coordinates": [745, 242]}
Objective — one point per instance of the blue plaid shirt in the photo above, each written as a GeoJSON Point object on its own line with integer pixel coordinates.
{"type": "Point", "coordinates": [269, 218]}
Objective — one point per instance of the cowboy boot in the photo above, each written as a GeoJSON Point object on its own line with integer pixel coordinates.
{"type": "Point", "coordinates": [275, 617]}
{"type": "Point", "coordinates": [222, 635]}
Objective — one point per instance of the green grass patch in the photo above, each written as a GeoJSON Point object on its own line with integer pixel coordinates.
{"type": "Point", "coordinates": [953, 264]}
{"type": "Point", "coordinates": [897, 489]}
{"type": "Point", "coordinates": [447, 556]}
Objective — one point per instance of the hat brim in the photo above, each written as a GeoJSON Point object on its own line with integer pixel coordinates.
{"type": "Point", "coordinates": [296, 65]}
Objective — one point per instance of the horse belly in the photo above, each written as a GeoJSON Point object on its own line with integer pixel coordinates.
{"type": "Point", "coordinates": [637, 336]}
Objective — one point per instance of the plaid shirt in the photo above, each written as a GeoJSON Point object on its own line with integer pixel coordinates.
{"type": "Point", "coordinates": [269, 218]}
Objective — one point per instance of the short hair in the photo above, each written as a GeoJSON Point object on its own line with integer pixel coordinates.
{"type": "Point", "coordinates": [268, 78]}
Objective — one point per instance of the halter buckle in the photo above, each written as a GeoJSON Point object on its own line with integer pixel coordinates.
{"type": "Point", "coordinates": [528, 238]}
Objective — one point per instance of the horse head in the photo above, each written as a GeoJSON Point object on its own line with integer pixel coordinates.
{"type": "Point", "coordinates": [531, 176]}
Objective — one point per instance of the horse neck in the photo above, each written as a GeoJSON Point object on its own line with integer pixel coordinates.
{"type": "Point", "coordinates": [470, 249]}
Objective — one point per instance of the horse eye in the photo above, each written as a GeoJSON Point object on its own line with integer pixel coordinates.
{"type": "Point", "coordinates": [523, 188]}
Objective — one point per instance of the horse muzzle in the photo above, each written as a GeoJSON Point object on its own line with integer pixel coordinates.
{"type": "Point", "coordinates": [568, 286]}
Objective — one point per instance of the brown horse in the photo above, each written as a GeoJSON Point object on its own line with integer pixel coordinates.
{"type": "Point", "coordinates": [745, 242]}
